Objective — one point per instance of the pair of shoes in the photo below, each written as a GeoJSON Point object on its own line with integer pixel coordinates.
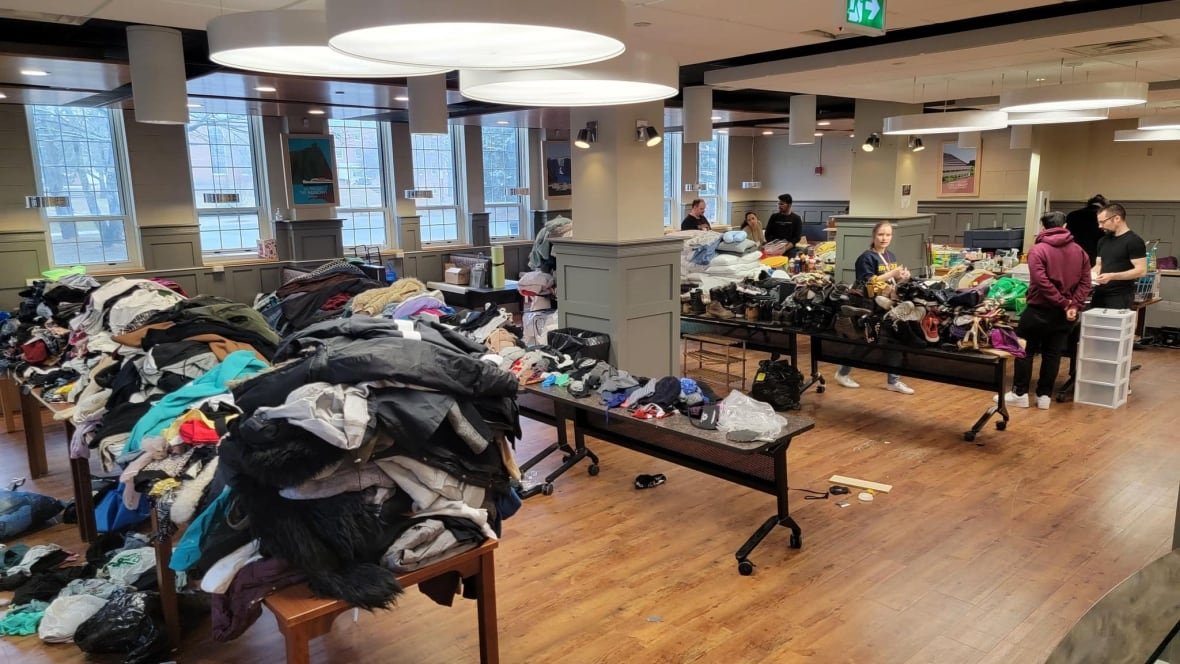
{"type": "Point", "coordinates": [846, 381]}
{"type": "Point", "coordinates": [899, 387]}
{"type": "Point", "coordinates": [1018, 400]}
{"type": "Point", "coordinates": [1043, 401]}
{"type": "Point", "coordinates": [716, 310]}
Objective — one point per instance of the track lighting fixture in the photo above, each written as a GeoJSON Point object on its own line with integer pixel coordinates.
{"type": "Point", "coordinates": [872, 142]}
{"type": "Point", "coordinates": [915, 144]}
{"type": "Point", "coordinates": [587, 136]}
{"type": "Point", "coordinates": [647, 134]}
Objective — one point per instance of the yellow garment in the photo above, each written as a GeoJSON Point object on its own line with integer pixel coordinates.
{"type": "Point", "coordinates": [373, 302]}
{"type": "Point", "coordinates": [164, 486]}
{"type": "Point", "coordinates": [825, 247]}
{"type": "Point", "coordinates": [775, 262]}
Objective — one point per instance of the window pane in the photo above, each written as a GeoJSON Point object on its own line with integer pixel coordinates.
{"type": "Point", "coordinates": [673, 146]}
{"type": "Point", "coordinates": [710, 167]}
{"type": "Point", "coordinates": [362, 183]}
{"type": "Point", "coordinates": [75, 150]}
{"type": "Point", "coordinates": [434, 169]}
{"type": "Point", "coordinates": [101, 241]}
{"type": "Point", "coordinates": [229, 231]}
{"type": "Point", "coordinates": [221, 150]}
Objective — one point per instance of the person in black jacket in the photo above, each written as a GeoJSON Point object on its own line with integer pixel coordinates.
{"type": "Point", "coordinates": [1083, 225]}
{"type": "Point", "coordinates": [695, 221]}
{"type": "Point", "coordinates": [785, 225]}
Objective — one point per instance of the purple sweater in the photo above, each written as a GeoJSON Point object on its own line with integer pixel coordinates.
{"type": "Point", "coordinates": [1059, 271]}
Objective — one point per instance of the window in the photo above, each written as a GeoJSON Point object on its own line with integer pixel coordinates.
{"type": "Point", "coordinates": [434, 169]}
{"type": "Point", "coordinates": [672, 177]}
{"type": "Point", "coordinates": [711, 175]}
{"type": "Point", "coordinates": [503, 160]}
{"type": "Point", "coordinates": [363, 202]}
{"type": "Point", "coordinates": [81, 153]}
{"type": "Point", "coordinates": [225, 181]}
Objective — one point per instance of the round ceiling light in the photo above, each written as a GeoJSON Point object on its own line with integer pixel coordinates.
{"type": "Point", "coordinates": [478, 34]}
{"type": "Point", "coordinates": [1073, 97]}
{"type": "Point", "coordinates": [633, 78]}
{"type": "Point", "coordinates": [945, 123]}
{"type": "Point", "coordinates": [292, 41]}
{"type": "Point", "coordinates": [1057, 117]}
{"type": "Point", "coordinates": [1161, 121]}
{"type": "Point", "coordinates": [1129, 135]}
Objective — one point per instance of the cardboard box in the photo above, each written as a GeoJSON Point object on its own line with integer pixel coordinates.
{"type": "Point", "coordinates": [460, 276]}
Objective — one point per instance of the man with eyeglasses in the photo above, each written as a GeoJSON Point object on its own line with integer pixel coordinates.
{"type": "Point", "coordinates": [1122, 259]}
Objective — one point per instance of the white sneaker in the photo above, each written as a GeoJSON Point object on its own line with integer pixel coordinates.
{"type": "Point", "coordinates": [1018, 400]}
{"type": "Point", "coordinates": [1043, 401]}
{"type": "Point", "coordinates": [846, 381]}
{"type": "Point", "coordinates": [899, 387]}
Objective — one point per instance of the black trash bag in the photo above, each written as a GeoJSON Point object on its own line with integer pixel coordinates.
{"type": "Point", "coordinates": [778, 384]}
{"type": "Point", "coordinates": [580, 344]}
{"type": "Point", "coordinates": [131, 623]}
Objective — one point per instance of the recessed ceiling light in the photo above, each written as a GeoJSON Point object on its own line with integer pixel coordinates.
{"type": "Point", "coordinates": [852, 136]}
{"type": "Point", "coordinates": [401, 98]}
{"type": "Point", "coordinates": [715, 118]}
{"type": "Point", "coordinates": [265, 88]}
{"type": "Point", "coordinates": [193, 105]}
{"type": "Point", "coordinates": [3, 96]}
{"type": "Point", "coordinates": [1039, 80]}
{"type": "Point", "coordinates": [315, 111]}
{"type": "Point", "coordinates": [767, 133]}
{"type": "Point", "coordinates": [824, 123]}
{"type": "Point", "coordinates": [501, 122]}
{"type": "Point", "coordinates": [819, 133]}
{"type": "Point", "coordinates": [477, 34]}
{"type": "Point", "coordinates": [722, 131]}
{"type": "Point", "coordinates": [34, 72]}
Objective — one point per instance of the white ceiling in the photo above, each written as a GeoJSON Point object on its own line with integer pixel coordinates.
{"type": "Point", "coordinates": [690, 30]}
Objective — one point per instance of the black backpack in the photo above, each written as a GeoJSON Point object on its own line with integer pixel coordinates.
{"type": "Point", "coordinates": [778, 384]}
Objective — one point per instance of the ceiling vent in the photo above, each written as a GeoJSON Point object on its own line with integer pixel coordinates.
{"type": "Point", "coordinates": [44, 17]}
{"type": "Point", "coordinates": [1123, 47]}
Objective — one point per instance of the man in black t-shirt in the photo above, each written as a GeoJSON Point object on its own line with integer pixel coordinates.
{"type": "Point", "coordinates": [785, 225]}
{"type": "Point", "coordinates": [1122, 259]}
{"type": "Point", "coordinates": [695, 221]}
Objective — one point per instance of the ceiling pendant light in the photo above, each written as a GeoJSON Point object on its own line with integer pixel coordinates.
{"type": "Point", "coordinates": [634, 77]}
{"type": "Point", "coordinates": [1161, 121]}
{"type": "Point", "coordinates": [945, 123]}
{"type": "Point", "coordinates": [1058, 117]}
{"type": "Point", "coordinates": [478, 34]}
{"type": "Point", "coordinates": [292, 41]}
{"type": "Point", "coordinates": [1073, 97]}
{"type": "Point", "coordinates": [1131, 135]}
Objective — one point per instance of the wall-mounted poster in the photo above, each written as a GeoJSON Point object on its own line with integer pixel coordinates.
{"type": "Point", "coordinates": [959, 171]}
{"type": "Point", "coordinates": [558, 176]}
{"type": "Point", "coordinates": [311, 169]}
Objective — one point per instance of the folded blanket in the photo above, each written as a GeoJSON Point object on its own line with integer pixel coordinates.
{"type": "Point", "coordinates": [741, 247]}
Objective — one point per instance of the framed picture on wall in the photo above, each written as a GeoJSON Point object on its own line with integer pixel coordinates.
{"type": "Point", "coordinates": [558, 176]}
{"type": "Point", "coordinates": [311, 170]}
{"type": "Point", "coordinates": [958, 172]}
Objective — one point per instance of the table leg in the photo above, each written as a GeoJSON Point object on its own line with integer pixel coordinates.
{"type": "Point", "coordinates": [489, 641]}
{"type": "Point", "coordinates": [30, 414]}
{"type": "Point", "coordinates": [781, 518]}
{"type": "Point", "coordinates": [10, 402]}
{"type": "Point", "coordinates": [166, 579]}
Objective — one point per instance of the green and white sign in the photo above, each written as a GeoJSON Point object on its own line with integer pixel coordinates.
{"type": "Point", "coordinates": [866, 17]}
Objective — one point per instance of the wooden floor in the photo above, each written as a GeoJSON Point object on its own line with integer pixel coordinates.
{"type": "Point", "coordinates": [980, 554]}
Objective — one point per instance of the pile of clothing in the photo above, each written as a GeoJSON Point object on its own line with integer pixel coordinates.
{"type": "Point", "coordinates": [404, 298]}
{"type": "Point", "coordinates": [710, 259]}
{"type": "Point", "coordinates": [316, 296]}
{"type": "Point", "coordinates": [539, 290]}
{"type": "Point", "coordinates": [541, 257]}
{"type": "Point", "coordinates": [374, 447]}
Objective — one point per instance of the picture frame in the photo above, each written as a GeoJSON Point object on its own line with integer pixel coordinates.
{"type": "Point", "coordinates": [309, 162]}
{"type": "Point", "coordinates": [958, 171]}
{"type": "Point", "coordinates": [558, 172]}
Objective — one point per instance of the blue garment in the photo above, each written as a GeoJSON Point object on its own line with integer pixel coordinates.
{"type": "Point", "coordinates": [688, 386]}
{"type": "Point", "coordinates": [21, 511]}
{"type": "Point", "coordinates": [734, 237]}
{"type": "Point", "coordinates": [188, 549]}
{"type": "Point", "coordinates": [705, 253]}
{"type": "Point", "coordinates": [238, 364]}
{"type": "Point", "coordinates": [111, 516]}
{"type": "Point", "coordinates": [869, 264]}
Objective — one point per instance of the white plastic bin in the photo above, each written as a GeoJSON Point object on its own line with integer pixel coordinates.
{"type": "Point", "coordinates": [1105, 395]}
{"type": "Point", "coordinates": [1104, 372]}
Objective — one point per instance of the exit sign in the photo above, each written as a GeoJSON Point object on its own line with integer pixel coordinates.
{"type": "Point", "coordinates": [865, 17]}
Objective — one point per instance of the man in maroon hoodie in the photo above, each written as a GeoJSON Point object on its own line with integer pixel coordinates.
{"type": "Point", "coordinates": [1059, 283]}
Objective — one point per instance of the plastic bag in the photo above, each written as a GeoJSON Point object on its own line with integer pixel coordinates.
{"type": "Point", "coordinates": [778, 384]}
{"type": "Point", "coordinates": [130, 623]}
{"type": "Point", "coordinates": [580, 343]}
{"type": "Point", "coordinates": [1007, 290]}
{"type": "Point", "coordinates": [64, 615]}
{"type": "Point", "coordinates": [742, 413]}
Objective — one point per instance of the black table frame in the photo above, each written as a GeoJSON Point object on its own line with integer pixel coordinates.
{"type": "Point", "coordinates": [592, 419]}
{"type": "Point", "coordinates": [761, 337]}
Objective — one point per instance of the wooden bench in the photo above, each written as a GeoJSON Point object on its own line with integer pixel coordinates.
{"type": "Point", "coordinates": [301, 616]}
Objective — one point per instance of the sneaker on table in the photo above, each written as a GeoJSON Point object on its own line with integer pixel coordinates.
{"type": "Point", "coordinates": [899, 387]}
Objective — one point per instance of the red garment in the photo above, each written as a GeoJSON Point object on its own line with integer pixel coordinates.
{"type": "Point", "coordinates": [196, 432]}
{"type": "Point", "coordinates": [1058, 271]}
{"type": "Point", "coordinates": [170, 285]}
{"type": "Point", "coordinates": [336, 301]}
{"type": "Point", "coordinates": [35, 351]}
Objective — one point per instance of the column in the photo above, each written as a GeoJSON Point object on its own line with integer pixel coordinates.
{"type": "Point", "coordinates": [407, 220]}
{"type": "Point", "coordinates": [877, 176]}
{"type": "Point", "coordinates": [618, 275]}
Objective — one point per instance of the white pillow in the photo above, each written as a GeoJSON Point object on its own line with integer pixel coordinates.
{"type": "Point", "coordinates": [725, 259]}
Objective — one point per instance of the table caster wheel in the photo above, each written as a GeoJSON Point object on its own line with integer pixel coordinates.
{"type": "Point", "coordinates": [565, 458]}
{"type": "Point", "coordinates": [820, 389]}
{"type": "Point", "coordinates": [593, 469]}
{"type": "Point", "coordinates": [796, 540]}
{"type": "Point", "coordinates": [1001, 425]}
{"type": "Point", "coordinates": [969, 436]}
{"type": "Point", "coordinates": [547, 489]}
{"type": "Point", "coordinates": [1062, 397]}
{"type": "Point", "coordinates": [745, 567]}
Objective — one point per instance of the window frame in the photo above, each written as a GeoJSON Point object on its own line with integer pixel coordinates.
{"type": "Point", "coordinates": [261, 192]}
{"type": "Point", "coordinates": [122, 160]}
{"type": "Point", "coordinates": [385, 154]}
{"type": "Point", "coordinates": [674, 152]}
{"type": "Point", "coordinates": [523, 203]}
{"type": "Point", "coordinates": [459, 175]}
{"type": "Point", "coordinates": [717, 201]}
